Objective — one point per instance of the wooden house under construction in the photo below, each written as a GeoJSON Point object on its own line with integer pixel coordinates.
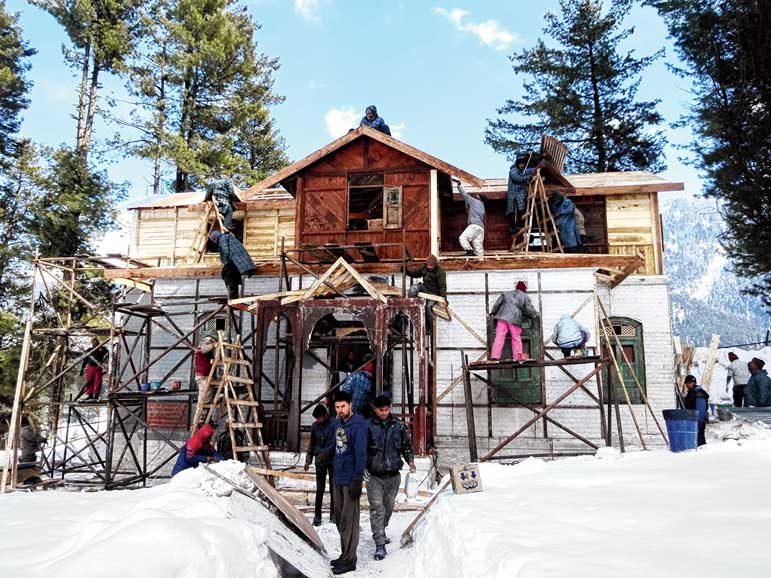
{"type": "Point", "coordinates": [375, 200]}
{"type": "Point", "coordinates": [332, 235]}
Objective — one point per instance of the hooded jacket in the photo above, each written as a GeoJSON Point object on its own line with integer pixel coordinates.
{"type": "Point", "coordinates": [516, 193]}
{"type": "Point", "coordinates": [377, 123]}
{"type": "Point", "coordinates": [197, 450]}
{"type": "Point", "coordinates": [757, 392]}
{"type": "Point", "coordinates": [388, 441]}
{"type": "Point", "coordinates": [348, 446]}
{"type": "Point", "coordinates": [568, 332]}
{"type": "Point", "coordinates": [512, 306]}
{"type": "Point", "coordinates": [696, 398]}
{"type": "Point", "coordinates": [565, 218]}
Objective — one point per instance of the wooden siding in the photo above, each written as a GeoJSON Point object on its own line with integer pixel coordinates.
{"type": "Point", "coordinates": [633, 229]}
{"type": "Point", "coordinates": [165, 235]}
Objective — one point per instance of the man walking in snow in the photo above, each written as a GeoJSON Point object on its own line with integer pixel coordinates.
{"type": "Point", "coordinates": [349, 448]}
{"type": "Point", "coordinates": [388, 442]}
{"type": "Point", "coordinates": [322, 434]}
{"type": "Point", "coordinates": [696, 398]}
{"type": "Point", "coordinates": [472, 239]}
{"type": "Point", "coordinates": [740, 373]}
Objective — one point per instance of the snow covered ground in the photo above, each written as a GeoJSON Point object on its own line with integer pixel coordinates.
{"type": "Point", "coordinates": [641, 515]}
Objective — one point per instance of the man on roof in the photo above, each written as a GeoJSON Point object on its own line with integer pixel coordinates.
{"type": "Point", "coordinates": [372, 120]}
{"type": "Point", "coordinates": [472, 238]}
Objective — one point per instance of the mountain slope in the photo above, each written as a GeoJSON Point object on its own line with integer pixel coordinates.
{"type": "Point", "coordinates": [705, 293]}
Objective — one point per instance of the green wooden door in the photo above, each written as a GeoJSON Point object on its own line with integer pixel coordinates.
{"type": "Point", "coordinates": [630, 336]}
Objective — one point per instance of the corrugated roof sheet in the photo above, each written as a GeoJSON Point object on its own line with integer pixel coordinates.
{"type": "Point", "coordinates": [605, 181]}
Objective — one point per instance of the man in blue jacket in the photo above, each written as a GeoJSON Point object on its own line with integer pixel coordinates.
{"type": "Point", "coordinates": [388, 442]}
{"type": "Point", "coordinates": [697, 399]}
{"type": "Point", "coordinates": [372, 120]}
{"type": "Point", "coordinates": [349, 447]}
{"type": "Point", "coordinates": [564, 212]}
{"type": "Point", "coordinates": [757, 392]}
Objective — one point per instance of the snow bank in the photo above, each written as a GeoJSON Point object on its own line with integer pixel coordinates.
{"type": "Point", "coordinates": [641, 515]}
{"type": "Point", "coordinates": [168, 531]}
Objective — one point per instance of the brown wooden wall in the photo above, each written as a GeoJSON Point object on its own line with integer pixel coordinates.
{"type": "Point", "coordinates": [322, 199]}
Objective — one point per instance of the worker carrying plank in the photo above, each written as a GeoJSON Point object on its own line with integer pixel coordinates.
{"type": "Point", "coordinates": [224, 196]}
{"type": "Point", "coordinates": [472, 239]}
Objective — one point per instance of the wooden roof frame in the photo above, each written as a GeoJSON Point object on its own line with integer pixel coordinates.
{"type": "Point", "coordinates": [288, 172]}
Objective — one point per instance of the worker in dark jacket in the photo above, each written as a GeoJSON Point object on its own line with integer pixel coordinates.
{"type": "Point", "coordinates": [197, 450]}
{"type": "Point", "coordinates": [224, 196]}
{"type": "Point", "coordinates": [472, 239]}
{"type": "Point", "coordinates": [434, 282]}
{"type": "Point", "coordinates": [322, 433]}
{"type": "Point", "coordinates": [94, 366]}
{"type": "Point", "coordinates": [757, 392]}
{"type": "Point", "coordinates": [696, 398]}
{"type": "Point", "coordinates": [235, 261]}
{"type": "Point", "coordinates": [388, 442]}
{"type": "Point", "coordinates": [372, 120]}
{"type": "Point", "coordinates": [349, 448]}
{"type": "Point", "coordinates": [29, 442]}
{"type": "Point", "coordinates": [520, 174]}
{"type": "Point", "coordinates": [509, 311]}
{"type": "Point", "coordinates": [359, 385]}
{"type": "Point", "coordinates": [564, 212]}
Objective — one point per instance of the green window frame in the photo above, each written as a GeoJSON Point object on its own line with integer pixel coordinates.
{"type": "Point", "coordinates": [630, 336]}
{"type": "Point", "coordinates": [523, 383]}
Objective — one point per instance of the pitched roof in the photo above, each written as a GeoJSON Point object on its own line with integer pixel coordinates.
{"type": "Point", "coordinates": [352, 135]}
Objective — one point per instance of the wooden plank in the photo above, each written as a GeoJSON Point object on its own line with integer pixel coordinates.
{"type": "Point", "coordinates": [706, 377]}
{"type": "Point", "coordinates": [284, 474]}
{"type": "Point", "coordinates": [367, 251]}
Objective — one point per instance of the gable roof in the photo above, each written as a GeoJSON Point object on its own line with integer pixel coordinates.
{"type": "Point", "coordinates": [351, 136]}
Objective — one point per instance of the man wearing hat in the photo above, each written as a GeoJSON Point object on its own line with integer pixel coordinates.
{"type": "Point", "coordinates": [509, 311]}
{"type": "Point", "coordinates": [235, 261]}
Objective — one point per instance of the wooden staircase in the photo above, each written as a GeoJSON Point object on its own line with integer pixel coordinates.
{"type": "Point", "coordinates": [229, 389]}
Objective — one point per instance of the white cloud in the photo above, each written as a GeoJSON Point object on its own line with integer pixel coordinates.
{"type": "Point", "coordinates": [489, 32]}
{"type": "Point", "coordinates": [308, 9]}
{"type": "Point", "coordinates": [397, 130]}
{"type": "Point", "coordinates": [340, 120]}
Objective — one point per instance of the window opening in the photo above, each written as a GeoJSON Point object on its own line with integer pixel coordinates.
{"type": "Point", "coordinates": [365, 201]}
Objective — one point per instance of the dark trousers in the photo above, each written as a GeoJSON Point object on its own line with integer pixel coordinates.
{"type": "Point", "coordinates": [321, 481]}
{"type": "Point", "coordinates": [347, 521]}
{"type": "Point", "coordinates": [702, 439]}
{"type": "Point", "coordinates": [381, 494]}
{"type": "Point", "coordinates": [739, 395]}
{"type": "Point", "coordinates": [232, 277]}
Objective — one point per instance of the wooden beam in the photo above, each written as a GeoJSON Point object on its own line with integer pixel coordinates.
{"type": "Point", "coordinates": [706, 377]}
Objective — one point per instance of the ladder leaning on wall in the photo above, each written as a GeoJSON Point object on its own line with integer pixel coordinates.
{"type": "Point", "coordinates": [229, 391]}
{"type": "Point", "coordinates": [210, 217]}
{"type": "Point", "coordinates": [537, 212]}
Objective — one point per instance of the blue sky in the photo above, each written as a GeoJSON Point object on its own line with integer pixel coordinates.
{"type": "Point", "coordinates": [435, 70]}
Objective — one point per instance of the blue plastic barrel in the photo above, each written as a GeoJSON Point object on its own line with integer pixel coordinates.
{"type": "Point", "coordinates": [682, 428]}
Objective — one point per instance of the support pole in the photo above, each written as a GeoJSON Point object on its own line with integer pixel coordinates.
{"type": "Point", "coordinates": [471, 430]}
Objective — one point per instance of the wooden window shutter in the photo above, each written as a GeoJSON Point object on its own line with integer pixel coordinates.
{"type": "Point", "coordinates": [392, 207]}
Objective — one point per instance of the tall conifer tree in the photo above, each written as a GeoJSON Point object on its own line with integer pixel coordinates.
{"type": "Point", "coordinates": [581, 89]}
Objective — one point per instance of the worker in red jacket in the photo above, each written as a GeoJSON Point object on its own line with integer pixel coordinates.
{"type": "Point", "coordinates": [197, 450]}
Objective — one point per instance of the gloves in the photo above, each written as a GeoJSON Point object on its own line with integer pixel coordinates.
{"type": "Point", "coordinates": [355, 489]}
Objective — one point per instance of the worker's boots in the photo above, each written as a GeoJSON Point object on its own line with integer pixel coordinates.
{"type": "Point", "coordinates": [380, 552]}
{"type": "Point", "coordinates": [470, 253]}
{"type": "Point", "coordinates": [317, 520]}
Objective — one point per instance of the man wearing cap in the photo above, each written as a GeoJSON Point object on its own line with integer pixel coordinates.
{"type": "Point", "coordinates": [235, 261]}
{"type": "Point", "coordinates": [372, 120]}
{"type": "Point", "coordinates": [509, 311]}
{"type": "Point", "coordinates": [696, 398]}
{"type": "Point", "coordinates": [434, 282]}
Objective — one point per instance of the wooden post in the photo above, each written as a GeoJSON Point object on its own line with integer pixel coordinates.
{"type": "Point", "coordinates": [434, 212]}
{"type": "Point", "coordinates": [706, 377]}
{"type": "Point", "coordinates": [470, 424]}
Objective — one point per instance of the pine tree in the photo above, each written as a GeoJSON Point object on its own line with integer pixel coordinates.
{"type": "Point", "coordinates": [581, 89]}
{"type": "Point", "coordinates": [76, 203]}
{"type": "Point", "coordinates": [202, 92]}
{"type": "Point", "coordinates": [726, 48]}
{"type": "Point", "coordinates": [103, 33]}
{"type": "Point", "coordinates": [14, 52]}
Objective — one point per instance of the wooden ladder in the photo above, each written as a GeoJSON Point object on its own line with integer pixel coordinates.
{"type": "Point", "coordinates": [537, 209]}
{"type": "Point", "coordinates": [203, 230]}
{"type": "Point", "coordinates": [231, 383]}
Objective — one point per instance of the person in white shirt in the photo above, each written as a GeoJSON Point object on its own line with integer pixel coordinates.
{"type": "Point", "coordinates": [738, 371]}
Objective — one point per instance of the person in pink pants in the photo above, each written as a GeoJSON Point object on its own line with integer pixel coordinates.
{"type": "Point", "coordinates": [508, 311]}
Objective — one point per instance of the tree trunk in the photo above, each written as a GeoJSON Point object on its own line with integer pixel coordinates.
{"type": "Point", "coordinates": [92, 96]}
{"type": "Point", "coordinates": [82, 97]}
{"type": "Point", "coordinates": [597, 130]}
